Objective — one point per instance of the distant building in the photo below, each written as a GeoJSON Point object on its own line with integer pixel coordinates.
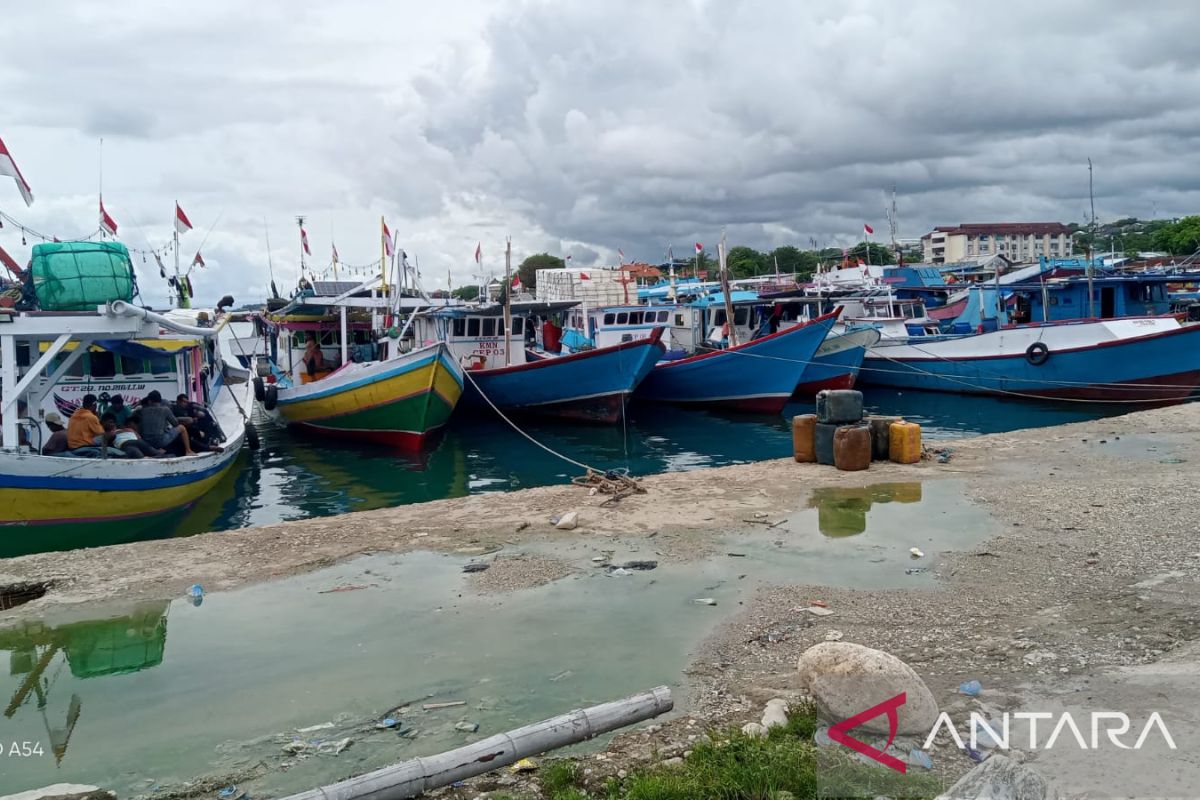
{"type": "Point", "coordinates": [1017, 241]}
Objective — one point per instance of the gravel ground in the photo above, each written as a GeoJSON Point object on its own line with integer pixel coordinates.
{"type": "Point", "coordinates": [510, 573]}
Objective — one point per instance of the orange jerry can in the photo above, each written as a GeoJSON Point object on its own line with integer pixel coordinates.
{"type": "Point", "coordinates": [852, 447]}
{"type": "Point", "coordinates": [904, 442]}
{"type": "Point", "coordinates": [804, 428]}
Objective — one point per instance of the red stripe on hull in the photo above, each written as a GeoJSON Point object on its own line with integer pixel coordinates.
{"type": "Point", "coordinates": [1167, 388]}
{"type": "Point", "coordinates": [404, 441]}
{"type": "Point", "coordinates": [840, 382]}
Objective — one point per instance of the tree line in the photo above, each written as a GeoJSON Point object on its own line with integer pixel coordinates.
{"type": "Point", "coordinates": [1131, 236]}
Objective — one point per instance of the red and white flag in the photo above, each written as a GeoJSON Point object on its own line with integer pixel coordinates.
{"type": "Point", "coordinates": [516, 282]}
{"type": "Point", "coordinates": [182, 223]}
{"type": "Point", "coordinates": [107, 223]}
{"type": "Point", "coordinates": [478, 253]}
{"type": "Point", "coordinates": [621, 255]}
{"type": "Point", "coordinates": [304, 241]}
{"type": "Point", "coordinates": [198, 260]}
{"type": "Point", "coordinates": [583, 276]}
{"type": "Point", "coordinates": [699, 248]}
{"type": "Point", "coordinates": [861, 263]}
{"type": "Point", "coordinates": [9, 167]}
{"type": "Point", "coordinates": [867, 229]}
{"type": "Point", "coordinates": [387, 240]}
{"type": "Point", "coordinates": [568, 258]}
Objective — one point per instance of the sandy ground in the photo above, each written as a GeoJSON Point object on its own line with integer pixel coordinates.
{"type": "Point", "coordinates": [1088, 597]}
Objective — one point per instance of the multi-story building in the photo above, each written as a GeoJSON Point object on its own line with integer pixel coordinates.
{"type": "Point", "coordinates": [1017, 241]}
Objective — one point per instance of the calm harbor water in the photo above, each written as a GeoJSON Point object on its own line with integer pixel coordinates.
{"type": "Point", "coordinates": [227, 687]}
{"type": "Point", "coordinates": [296, 476]}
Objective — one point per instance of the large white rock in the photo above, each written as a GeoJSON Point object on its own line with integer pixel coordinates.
{"type": "Point", "coordinates": [1001, 778]}
{"type": "Point", "coordinates": [568, 521]}
{"type": "Point", "coordinates": [845, 679]}
{"type": "Point", "coordinates": [63, 790]}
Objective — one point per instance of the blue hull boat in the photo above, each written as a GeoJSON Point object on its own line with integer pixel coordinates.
{"type": "Point", "coordinates": [592, 385]}
{"type": "Point", "coordinates": [758, 376]}
{"type": "Point", "coordinates": [1126, 359]}
{"type": "Point", "coordinates": [837, 361]}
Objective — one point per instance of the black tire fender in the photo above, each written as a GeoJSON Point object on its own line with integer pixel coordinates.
{"type": "Point", "coordinates": [1037, 354]}
{"type": "Point", "coordinates": [260, 391]}
{"type": "Point", "coordinates": [252, 440]}
{"type": "Point", "coordinates": [270, 398]}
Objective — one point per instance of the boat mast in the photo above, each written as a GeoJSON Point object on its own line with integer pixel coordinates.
{"type": "Point", "coordinates": [725, 289]}
{"type": "Point", "coordinates": [508, 301]}
{"type": "Point", "coordinates": [300, 224]}
{"type": "Point", "coordinates": [1091, 236]}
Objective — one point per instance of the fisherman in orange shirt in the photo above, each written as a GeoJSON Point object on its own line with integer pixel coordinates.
{"type": "Point", "coordinates": [84, 426]}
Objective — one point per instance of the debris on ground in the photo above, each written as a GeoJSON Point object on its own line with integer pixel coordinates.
{"type": "Point", "coordinates": [475, 567]}
{"type": "Point", "coordinates": [614, 482]}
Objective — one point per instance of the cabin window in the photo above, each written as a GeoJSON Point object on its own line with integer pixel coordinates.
{"type": "Point", "coordinates": [161, 365]}
{"type": "Point", "coordinates": [718, 317]}
{"type": "Point", "coordinates": [518, 326]}
{"type": "Point", "coordinates": [623, 318]}
{"type": "Point", "coordinates": [473, 328]}
{"type": "Point", "coordinates": [679, 323]}
{"type": "Point", "coordinates": [132, 366]}
{"type": "Point", "coordinates": [23, 354]}
{"type": "Point", "coordinates": [635, 318]}
{"type": "Point", "coordinates": [460, 327]}
{"type": "Point", "coordinates": [76, 370]}
{"type": "Point", "coordinates": [663, 316]}
{"type": "Point", "coordinates": [489, 326]}
{"type": "Point", "coordinates": [609, 318]}
{"type": "Point", "coordinates": [741, 316]}
{"type": "Point", "coordinates": [103, 364]}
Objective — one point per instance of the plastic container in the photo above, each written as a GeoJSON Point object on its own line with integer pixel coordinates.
{"type": "Point", "coordinates": [823, 442]}
{"type": "Point", "coordinates": [852, 447]}
{"type": "Point", "coordinates": [836, 406]}
{"type": "Point", "coordinates": [804, 428]}
{"type": "Point", "coordinates": [880, 436]}
{"type": "Point", "coordinates": [904, 445]}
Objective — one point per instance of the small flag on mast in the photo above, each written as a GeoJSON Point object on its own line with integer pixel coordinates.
{"type": "Point", "coordinates": [478, 253]}
{"type": "Point", "coordinates": [107, 223]}
{"type": "Point", "coordinates": [304, 241]}
{"type": "Point", "coordinates": [699, 248]}
{"type": "Point", "coordinates": [198, 260]}
{"type": "Point", "coordinates": [162, 270]}
{"type": "Point", "coordinates": [621, 255]}
{"type": "Point", "coordinates": [867, 229]}
{"type": "Point", "coordinates": [9, 167]}
{"type": "Point", "coordinates": [387, 241]}
{"type": "Point", "coordinates": [182, 223]}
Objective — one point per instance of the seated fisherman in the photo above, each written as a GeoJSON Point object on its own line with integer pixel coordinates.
{"type": "Point", "coordinates": [160, 427]}
{"type": "Point", "coordinates": [201, 427]}
{"type": "Point", "coordinates": [57, 441]}
{"type": "Point", "coordinates": [84, 426]}
{"type": "Point", "coordinates": [126, 439]}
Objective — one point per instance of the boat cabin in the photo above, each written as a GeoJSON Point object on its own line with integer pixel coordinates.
{"type": "Point", "coordinates": [612, 325]}
{"type": "Point", "coordinates": [476, 336]}
{"type": "Point", "coordinates": [894, 317]}
{"type": "Point", "coordinates": [1112, 296]}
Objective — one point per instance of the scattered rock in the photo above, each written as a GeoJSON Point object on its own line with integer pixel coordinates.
{"type": "Point", "coordinates": [640, 565]}
{"type": "Point", "coordinates": [475, 567]}
{"type": "Point", "coordinates": [845, 678]}
{"type": "Point", "coordinates": [1001, 777]}
{"type": "Point", "coordinates": [833, 636]}
{"type": "Point", "coordinates": [819, 611]}
{"type": "Point", "coordinates": [754, 729]}
{"type": "Point", "coordinates": [466, 727]}
{"type": "Point", "coordinates": [775, 714]}
{"type": "Point", "coordinates": [568, 521]}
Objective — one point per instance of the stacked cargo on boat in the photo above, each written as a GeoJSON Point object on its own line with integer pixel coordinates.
{"type": "Point", "coordinates": [839, 435]}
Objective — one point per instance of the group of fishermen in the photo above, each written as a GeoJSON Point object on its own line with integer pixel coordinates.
{"type": "Point", "coordinates": [154, 430]}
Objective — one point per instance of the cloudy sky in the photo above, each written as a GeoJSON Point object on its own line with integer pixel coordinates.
{"type": "Point", "coordinates": [581, 127]}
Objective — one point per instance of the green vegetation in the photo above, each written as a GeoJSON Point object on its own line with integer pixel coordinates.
{"type": "Point", "coordinates": [530, 266]}
{"type": "Point", "coordinates": [466, 292]}
{"type": "Point", "coordinates": [732, 766]}
{"type": "Point", "coordinates": [1131, 236]}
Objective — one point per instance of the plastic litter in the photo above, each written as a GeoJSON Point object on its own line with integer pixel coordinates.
{"type": "Point", "coordinates": [524, 765]}
{"type": "Point", "coordinates": [705, 601]}
{"type": "Point", "coordinates": [195, 594]}
{"type": "Point", "coordinates": [970, 688]}
{"type": "Point", "coordinates": [388, 722]}
{"type": "Point", "coordinates": [619, 572]}
{"type": "Point", "coordinates": [916, 552]}
{"type": "Point", "coordinates": [819, 611]}
{"type": "Point", "coordinates": [821, 737]}
{"type": "Point", "coordinates": [466, 727]}
{"type": "Point", "coordinates": [920, 758]}
{"type": "Point", "coordinates": [227, 792]}
{"type": "Point", "coordinates": [916, 570]}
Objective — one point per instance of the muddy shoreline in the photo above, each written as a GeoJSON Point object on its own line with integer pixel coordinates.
{"type": "Point", "coordinates": [1093, 576]}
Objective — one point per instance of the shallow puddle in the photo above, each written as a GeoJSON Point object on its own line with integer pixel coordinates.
{"type": "Point", "coordinates": [141, 698]}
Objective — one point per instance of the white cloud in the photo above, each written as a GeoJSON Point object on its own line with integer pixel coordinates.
{"type": "Point", "coordinates": [581, 128]}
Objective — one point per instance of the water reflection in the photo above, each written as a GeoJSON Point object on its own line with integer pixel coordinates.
{"type": "Point", "coordinates": [842, 511]}
{"type": "Point", "coordinates": [92, 649]}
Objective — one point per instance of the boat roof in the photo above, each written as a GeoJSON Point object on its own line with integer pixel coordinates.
{"type": "Point", "coordinates": [520, 307]}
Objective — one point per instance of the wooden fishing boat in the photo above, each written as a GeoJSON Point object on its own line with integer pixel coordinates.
{"type": "Point", "coordinates": [368, 387]}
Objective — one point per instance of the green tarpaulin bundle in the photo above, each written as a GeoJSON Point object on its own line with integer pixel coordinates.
{"type": "Point", "coordinates": [78, 276]}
